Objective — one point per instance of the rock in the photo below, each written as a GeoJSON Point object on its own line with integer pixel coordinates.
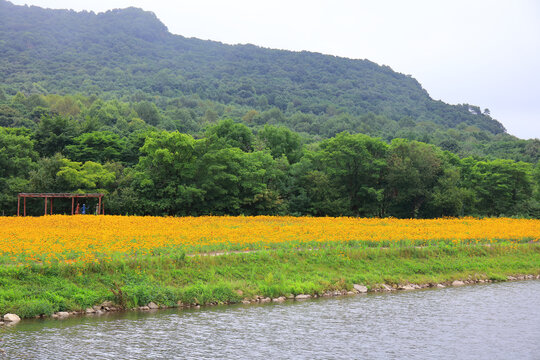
{"type": "Point", "coordinates": [327, 294]}
{"type": "Point", "coordinates": [144, 308]}
{"type": "Point", "coordinates": [265, 300]}
{"type": "Point", "coordinates": [351, 292]}
{"type": "Point", "coordinates": [62, 314]}
{"type": "Point", "coordinates": [510, 278]}
{"type": "Point", "coordinates": [385, 287]}
{"type": "Point", "coordinates": [152, 306]}
{"type": "Point", "coordinates": [279, 299]}
{"type": "Point", "coordinates": [290, 296]}
{"type": "Point", "coordinates": [302, 296]}
{"type": "Point", "coordinates": [406, 287]}
{"type": "Point", "coordinates": [100, 312]}
{"type": "Point", "coordinates": [107, 304]}
{"type": "Point", "coordinates": [246, 302]}
{"type": "Point", "coordinates": [96, 307]}
{"type": "Point", "coordinates": [90, 311]}
{"type": "Point", "coordinates": [179, 303]}
{"type": "Point", "coordinates": [12, 318]}
{"type": "Point", "coordinates": [2, 323]}
{"type": "Point", "coordinates": [457, 283]}
{"type": "Point", "coordinates": [360, 288]}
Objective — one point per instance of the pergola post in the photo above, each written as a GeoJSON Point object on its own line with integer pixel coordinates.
{"type": "Point", "coordinates": [51, 205]}
{"type": "Point", "coordinates": [18, 205]}
{"type": "Point", "coordinates": [24, 205]}
{"type": "Point", "coordinates": [99, 206]}
{"type": "Point", "coordinates": [72, 204]}
{"type": "Point", "coordinates": [46, 200]}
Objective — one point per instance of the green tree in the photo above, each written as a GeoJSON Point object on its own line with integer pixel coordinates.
{"type": "Point", "coordinates": [501, 187]}
{"type": "Point", "coordinates": [17, 159]}
{"type": "Point", "coordinates": [165, 172]}
{"type": "Point", "coordinates": [148, 112]}
{"type": "Point", "coordinates": [355, 165]}
{"type": "Point", "coordinates": [235, 182]}
{"type": "Point", "coordinates": [281, 141]}
{"type": "Point", "coordinates": [53, 134]}
{"type": "Point", "coordinates": [227, 133]}
{"type": "Point", "coordinates": [413, 173]}
{"type": "Point", "coordinates": [98, 146]}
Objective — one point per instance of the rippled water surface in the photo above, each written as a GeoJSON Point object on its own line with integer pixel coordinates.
{"type": "Point", "coordinates": [495, 321]}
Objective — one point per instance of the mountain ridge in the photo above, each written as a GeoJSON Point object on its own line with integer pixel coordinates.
{"type": "Point", "coordinates": [65, 51]}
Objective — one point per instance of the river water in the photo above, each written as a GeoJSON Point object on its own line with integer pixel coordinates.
{"type": "Point", "coordinates": [492, 321]}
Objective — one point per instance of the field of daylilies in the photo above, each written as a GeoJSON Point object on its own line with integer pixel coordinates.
{"type": "Point", "coordinates": [64, 263]}
{"type": "Point", "coordinates": [88, 238]}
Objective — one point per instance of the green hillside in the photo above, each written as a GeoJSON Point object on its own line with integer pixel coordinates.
{"type": "Point", "coordinates": [129, 55]}
{"type": "Point", "coordinates": [121, 51]}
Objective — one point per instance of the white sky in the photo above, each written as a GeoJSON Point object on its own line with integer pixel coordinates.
{"type": "Point", "coordinates": [481, 52]}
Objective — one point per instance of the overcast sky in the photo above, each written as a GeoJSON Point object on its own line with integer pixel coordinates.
{"type": "Point", "coordinates": [481, 52]}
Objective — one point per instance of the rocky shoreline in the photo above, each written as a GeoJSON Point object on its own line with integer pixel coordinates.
{"type": "Point", "coordinates": [109, 306]}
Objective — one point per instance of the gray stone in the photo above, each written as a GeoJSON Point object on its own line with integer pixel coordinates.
{"type": "Point", "coordinates": [90, 311]}
{"type": "Point", "coordinates": [107, 304]}
{"type": "Point", "coordinates": [457, 283]}
{"type": "Point", "coordinates": [96, 307]}
{"type": "Point", "coordinates": [360, 288]}
{"type": "Point", "coordinates": [246, 302]}
{"type": "Point", "coordinates": [279, 299]}
{"type": "Point", "coordinates": [152, 305]}
{"type": "Point", "coordinates": [302, 296]}
{"type": "Point", "coordinates": [12, 318]}
{"type": "Point", "coordinates": [385, 287]}
{"type": "Point", "coordinates": [265, 300]}
{"type": "Point", "coordinates": [406, 287]}
{"type": "Point", "coordinates": [62, 314]}
{"type": "Point", "coordinates": [144, 308]}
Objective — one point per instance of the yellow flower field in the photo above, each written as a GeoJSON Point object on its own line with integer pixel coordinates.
{"type": "Point", "coordinates": [87, 236]}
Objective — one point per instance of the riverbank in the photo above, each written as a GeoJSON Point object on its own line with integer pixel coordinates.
{"type": "Point", "coordinates": [172, 279]}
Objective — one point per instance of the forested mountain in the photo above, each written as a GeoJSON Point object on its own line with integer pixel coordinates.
{"type": "Point", "coordinates": [123, 53]}
{"type": "Point", "coordinates": [166, 125]}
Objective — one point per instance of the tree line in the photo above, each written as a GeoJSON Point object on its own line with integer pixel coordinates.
{"type": "Point", "coordinates": [232, 170]}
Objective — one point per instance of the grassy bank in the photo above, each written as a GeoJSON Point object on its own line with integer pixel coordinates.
{"type": "Point", "coordinates": [166, 275]}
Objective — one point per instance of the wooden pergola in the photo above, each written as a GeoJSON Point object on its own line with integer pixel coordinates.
{"type": "Point", "coordinates": [51, 196]}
